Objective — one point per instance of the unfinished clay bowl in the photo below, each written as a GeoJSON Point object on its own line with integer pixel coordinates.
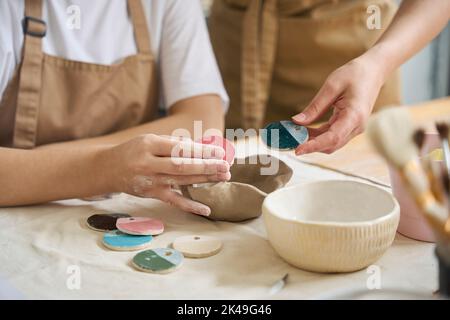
{"type": "Point", "coordinates": [241, 198]}
{"type": "Point", "coordinates": [331, 226]}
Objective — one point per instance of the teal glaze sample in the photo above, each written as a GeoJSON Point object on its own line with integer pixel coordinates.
{"type": "Point", "coordinates": [160, 260]}
{"type": "Point", "coordinates": [121, 241]}
{"type": "Point", "coordinates": [284, 135]}
{"type": "Point", "coordinates": [299, 133]}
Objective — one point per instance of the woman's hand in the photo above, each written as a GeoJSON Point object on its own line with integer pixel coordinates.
{"type": "Point", "coordinates": [150, 165]}
{"type": "Point", "coordinates": [351, 91]}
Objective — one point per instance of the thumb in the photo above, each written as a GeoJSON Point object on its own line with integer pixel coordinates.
{"type": "Point", "coordinates": [326, 96]}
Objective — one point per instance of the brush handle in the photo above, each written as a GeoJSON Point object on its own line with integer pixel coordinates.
{"type": "Point", "coordinates": [446, 150]}
{"type": "Point", "coordinates": [433, 172]}
{"type": "Point", "coordinates": [419, 186]}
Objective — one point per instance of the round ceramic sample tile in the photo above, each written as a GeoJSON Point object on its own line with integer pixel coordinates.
{"type": "Point", "coordinates": [104, 222]}
{"type": "Point", "coordinates": [119, 241]}
{"type": "Point", "coordinates": [160, 260]}
{"type": "Point", "coordinates": [284, 135]}
{"type": "Point", "coordinates": [221, 142]}
{"type": "Point", "coordinates": [197, 246]}
{"type": "Point", "coordinates": [140, 226]}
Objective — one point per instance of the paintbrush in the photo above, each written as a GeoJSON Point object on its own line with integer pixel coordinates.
{"type": "Point", "coordinates": [432, 168]}
{"type": "Point", "coordinates": [390, 132]}
{"type": "Point", "coordinates": [419, 138]}
{"type": "Point", "coordinates": [443, 131]}
{"type": "Point", "coordinates": [446, 186]}
{"type": "Point", "coordinates": [279, 285]}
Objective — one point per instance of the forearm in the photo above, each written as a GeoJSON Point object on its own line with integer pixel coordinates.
{"type": "Point", "coordinates": [205, 108]}
{"type": "Point", "coordinates": [37, 176]}
{"type": "Point", "coordinates": [416, 23]}
{"type": "Point", "coordinates": [81, 168]}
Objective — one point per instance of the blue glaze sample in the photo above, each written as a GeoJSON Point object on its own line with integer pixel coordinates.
{"type": "Point", "coordinates": [173, 256]}
{"type": "Point", "coordinates": [118, 239]}
{"type": "Point", "coordinates": [284, 135]}
{"type": "Point", "coordinates": [299, 133]}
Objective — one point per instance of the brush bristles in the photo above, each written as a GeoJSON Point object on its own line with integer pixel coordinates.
{"type": "Point", "coordinates": [442, 129]}
{"type": "Point", "coordinates": [390, 132]}
{"type": "Point", "coordinates": [419, 138]}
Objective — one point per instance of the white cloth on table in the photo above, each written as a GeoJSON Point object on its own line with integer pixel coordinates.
{"type": "Point", "coordinates": [38, 244]}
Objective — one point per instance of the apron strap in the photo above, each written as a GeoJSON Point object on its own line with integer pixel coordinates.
{"type": "Point", "coordinates": [259, 41]}
{"type": "Point", "coordinates": [30, 77]}
{"type": "Point", "coordinates": [141, 32]}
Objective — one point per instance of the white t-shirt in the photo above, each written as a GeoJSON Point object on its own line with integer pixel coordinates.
{"type": "Point", "coordinates": [103, 33]}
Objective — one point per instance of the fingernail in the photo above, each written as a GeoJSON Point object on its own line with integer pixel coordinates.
{"type": "Point", "coordinates": [300, 117]}
{"type": "Point", "coordinates": [204, 211]}
{"type": "Point", "coordinates": [298, 152]}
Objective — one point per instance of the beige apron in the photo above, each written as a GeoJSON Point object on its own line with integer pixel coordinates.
{"type": "Point", "coordinates": [51, 99]}
{"type": "Point", "coordinates": [287, 49]}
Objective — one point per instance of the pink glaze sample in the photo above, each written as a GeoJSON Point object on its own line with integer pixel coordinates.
{"type": "Point", "coordinates": [221, 142]}
{"type": "Point", "coordinates": [140, 226]}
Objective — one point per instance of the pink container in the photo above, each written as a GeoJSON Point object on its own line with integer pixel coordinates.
{"type": "Point", "coordinates": [412, 223]}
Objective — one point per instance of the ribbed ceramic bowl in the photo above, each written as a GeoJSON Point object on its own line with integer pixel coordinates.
{"type": "Point", "coordinates": [331, 226]}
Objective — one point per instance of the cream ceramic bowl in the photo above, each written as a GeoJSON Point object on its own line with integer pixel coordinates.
{"type": "Point", "coordinates": [331, 226]}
